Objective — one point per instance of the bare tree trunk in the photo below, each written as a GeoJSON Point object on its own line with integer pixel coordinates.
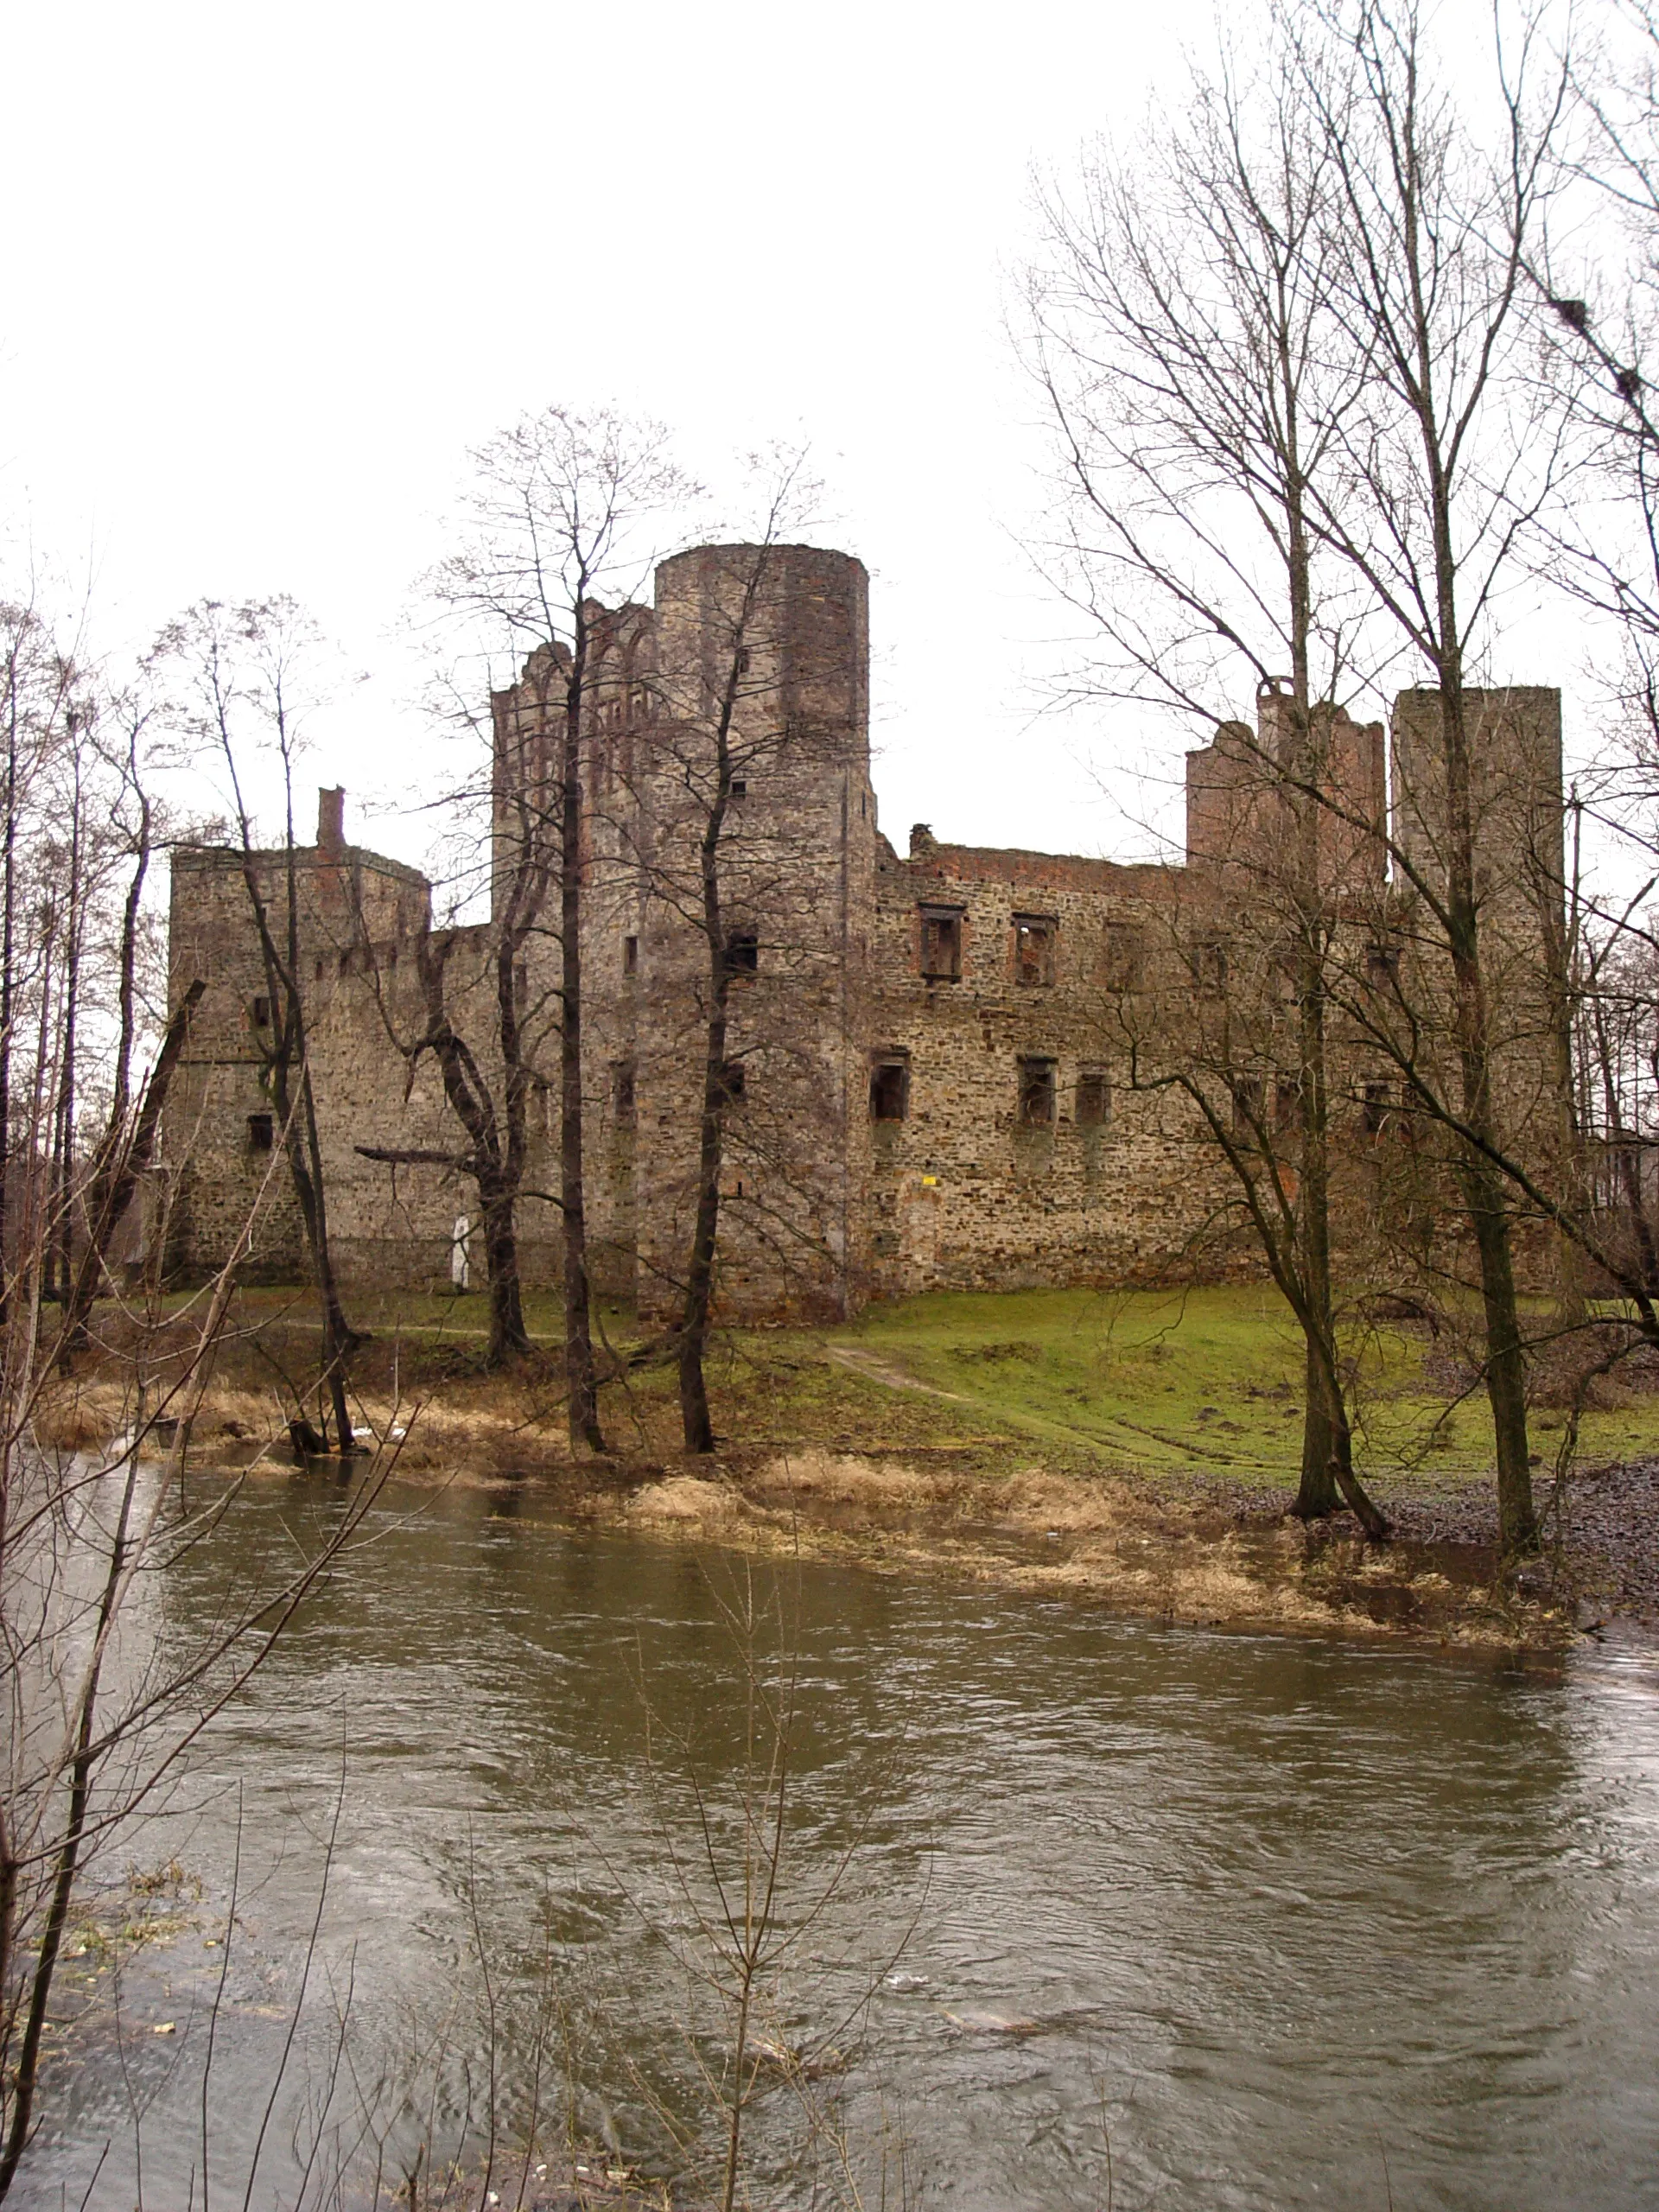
{"type": "Point", "coordinates": [43, 1974]}
{"type": "Point", "coordinates": [123, 1158]}
{"type": "Point", "coordinates": [1484, 1192]}
{"type": "Point", "coordinates": [583, 1399]}
{"type": "Point", "coordinates": [697, 1428]}
{"type": "Point", "coordinates": [59, 1256]}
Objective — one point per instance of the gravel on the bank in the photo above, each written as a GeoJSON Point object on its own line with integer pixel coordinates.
{"type": "Point", "coordinates": [1601, 1534]}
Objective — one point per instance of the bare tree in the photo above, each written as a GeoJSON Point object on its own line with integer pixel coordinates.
{"type": "Point", "coordinates": [1180, 329]}
{"type": "Point", "coordinates": [1440, 480]}
{"type": "Point", "coordinates": [559, 509]}
{"type": "Point", "coordinates": [38, 680]}
{"type": "Point", "coordinates": [722, 859]}
{"type": "Point", "coordinates": [233, 666]}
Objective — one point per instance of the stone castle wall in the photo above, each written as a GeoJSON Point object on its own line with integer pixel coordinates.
{"type": "Point", "coordinates": [950, 1070]}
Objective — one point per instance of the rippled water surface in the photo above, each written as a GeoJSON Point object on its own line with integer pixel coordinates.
{"type": "Point", "coordinates": [1296, 1923]}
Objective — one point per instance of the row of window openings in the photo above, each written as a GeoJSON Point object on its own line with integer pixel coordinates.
{"type": "Point", "coordinates": [1033, 946]}
{"type": "Point", "coordinates": [1034, 943]}
{"type": "Point", "coordinates": [1037, 1096]}
{"type": "Point", "coordinates": [890, 1099]}
{"type": "Point", "coordinates": [1035, 937]}
{"type": "Point", "coordinates": [1251, 1117]}
{"type": "Point", "coordinates": [348, 962]}
{"type": "Point", "coordinates": [1038, 1089]}
{"type": "Point", "coordinates": [1034, 955]}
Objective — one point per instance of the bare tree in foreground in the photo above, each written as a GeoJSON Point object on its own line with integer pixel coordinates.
{"type": "Point", "coordinates": [723, 862]}
{"type": "Point", "coordinates": [1441, 476]}
{"type": "Point", "coordinates": [557, 511]}
{"type": "Point", "coordinates": [235, 665]}
{"type": "Point", "coordinates": [1180, 341]}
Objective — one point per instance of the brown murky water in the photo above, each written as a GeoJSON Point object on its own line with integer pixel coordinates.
{"type": "Point", "coordinates": [1293, 1923]}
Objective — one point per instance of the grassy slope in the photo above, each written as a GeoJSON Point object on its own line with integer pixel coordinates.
{"type": "Point", "coordinates": [1207, 1379]}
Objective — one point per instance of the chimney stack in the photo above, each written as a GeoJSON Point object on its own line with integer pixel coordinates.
{"type": "Point", "coordinates": [331, 821]}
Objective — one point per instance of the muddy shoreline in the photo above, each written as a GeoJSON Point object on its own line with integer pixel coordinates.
{"type": "Point", "coordinates": [1205, 1554]}
{"type": "Point", "coordinates": [1191, 1548]}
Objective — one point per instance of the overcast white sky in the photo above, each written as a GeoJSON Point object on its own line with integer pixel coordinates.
{"type": "Point", "coordinates": [270, 271]}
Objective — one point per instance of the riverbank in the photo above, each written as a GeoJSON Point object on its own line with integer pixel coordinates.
{"type": "Point", "coordinates": [1137, 1450]}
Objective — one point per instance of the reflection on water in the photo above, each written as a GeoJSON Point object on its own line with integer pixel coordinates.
{"type": "Point", "coordinates": [1298, 1924]}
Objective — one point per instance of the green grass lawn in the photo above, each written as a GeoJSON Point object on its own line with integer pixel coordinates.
{"type": "Point", "coordinates": [1208, 1379]}
{"type": "Point", "coordinates": [1160, 1382]}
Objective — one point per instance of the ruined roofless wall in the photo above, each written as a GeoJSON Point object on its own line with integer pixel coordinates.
{"type": "Point", "coordinates": [902, 1020]}
{"type": "Point", "coordinates": [359, 918]}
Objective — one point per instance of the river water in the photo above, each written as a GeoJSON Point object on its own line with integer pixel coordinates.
{"type": "Point", "coordinates": [1285, 1922]}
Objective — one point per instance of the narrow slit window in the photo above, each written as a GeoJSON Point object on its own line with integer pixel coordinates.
{"type": "Point", "coordinates": [1094, 1099]}
{"type": "Point", "coordinates": [1036, 1094]}
{"type": "Point", "coordinates": [630, 956]}
{"type": "Point", "coordinates": [1034, 947]}
{"type": "Point", "coordinates": [622, 1093]}
{"type": "Point", "coordinates": [261, 1013]}
{"type": "Point", "coordinates": [262, 1132]}
{"type": "Point", "coordinates": [890, 1087]}
{"type": "Point", "coordinates": [941, 943]}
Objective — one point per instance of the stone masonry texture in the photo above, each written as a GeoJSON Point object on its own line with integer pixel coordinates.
{"type": "Point", "coordinates": [942, 1080]}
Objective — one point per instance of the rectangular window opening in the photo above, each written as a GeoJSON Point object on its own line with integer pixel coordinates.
{"type": "Point", "coordinates": [1094, 1099]}
{"type": "Point", "coordinates": [740, 787]}
{"type": "Point", "coordinates": [742, 952]}
{"type": "Point", "coordinates": [262, 1132]}
{"type": "Point", "coordinates": [744, 660]}
{"type": "Point", "coordinates": [890, 1087]}
{"type": "Point", "coordinates": [941, 943]}
{"type": "Point", "coordinates": [261, 1013]}
{"type": "Point", "coordinates": [732, 1083]}
{"type": "Point", "coordinates": [630, 956]}
{"type": "Point", "coordinates": [1036, 1093]}
{"type": "Point", "coordinates": [622, 1093]}
{"type": "Point", "coordinates": [1034, 947]}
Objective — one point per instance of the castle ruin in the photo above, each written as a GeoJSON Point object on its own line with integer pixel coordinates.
{"type": "Point", "coordinates": [943, 1059]}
